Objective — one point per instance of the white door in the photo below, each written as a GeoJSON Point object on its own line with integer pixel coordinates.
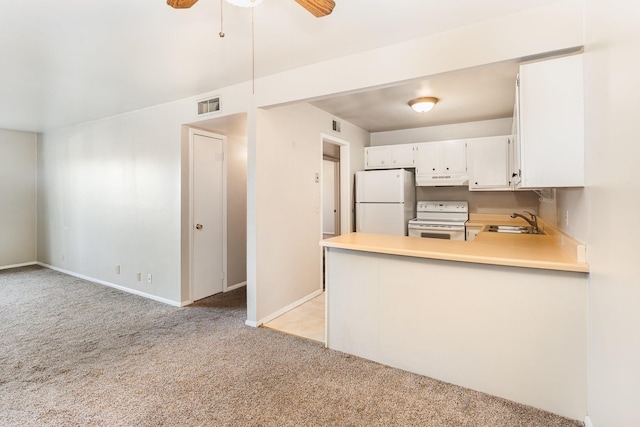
{"type": "Point", "coordinates": [207, 209]}
{"type": "Point", "coordinates": [329, 208]}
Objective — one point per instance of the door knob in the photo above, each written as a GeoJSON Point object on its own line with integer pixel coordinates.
{"type": "Point", "coordinates": [199, 226]}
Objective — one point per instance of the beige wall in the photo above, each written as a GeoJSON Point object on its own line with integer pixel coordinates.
{"type": "Point", "coordinates": [595, 212]}
{"type": "Point", "coordinates": [288, 200]}
{"type": "Point", "coordinates": [612, 175]}
{"type": "Point", "coordinates": [109, 194]}
{"type": "Point", "coordinates": [18, 173]}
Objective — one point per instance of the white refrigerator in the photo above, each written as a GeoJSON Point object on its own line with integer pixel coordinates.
{"type": "Point", "coordinates": [385, 201]}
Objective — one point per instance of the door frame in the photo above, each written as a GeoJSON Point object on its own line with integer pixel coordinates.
{"type": "Point", "coordinates": [345, 182]}
{"type": "Point", "coordinates": [192, 133]}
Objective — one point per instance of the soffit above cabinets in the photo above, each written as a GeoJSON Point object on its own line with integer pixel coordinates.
{"type": "Point", "coordinates": [480, 93]}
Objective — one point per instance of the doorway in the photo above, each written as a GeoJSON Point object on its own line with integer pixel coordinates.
{"type": "Point", "coordinates": [330, 190]}
{"type": "Point", "coordinates": [207, 214]}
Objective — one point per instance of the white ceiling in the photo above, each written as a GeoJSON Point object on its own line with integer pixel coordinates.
{"type": "Point", "coordinates": [69, 61]}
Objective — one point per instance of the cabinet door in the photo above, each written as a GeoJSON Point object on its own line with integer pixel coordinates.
{"type": "Point", "coordinates": [552, 123]}
{"type": "Point", "coordinates": [489, 167]}
{"type": "Point", "coordinates": [453, 157]}
{"type": "Point", "coordinates": [377, 157]}
{"type": "Point", "coordinates": [402, 156]}
{"type": "Point", "coordinates": [427, 158]}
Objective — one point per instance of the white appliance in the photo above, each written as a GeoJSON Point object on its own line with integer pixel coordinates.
{"type": "Point", "coordinates": [440, 220]}
{"type": "Point", "coordinates": [385, 201]}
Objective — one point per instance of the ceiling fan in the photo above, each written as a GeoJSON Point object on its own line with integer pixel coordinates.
{"type": "Point", "coordinates": [317, 8]}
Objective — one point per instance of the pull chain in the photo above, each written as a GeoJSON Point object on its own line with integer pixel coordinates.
{"type": "Point", "coordinates": [221, 33]}
{"type": "Point", "coordinates": [253, 55]}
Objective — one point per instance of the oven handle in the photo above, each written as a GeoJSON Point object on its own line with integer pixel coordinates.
{"type": "Point", "coordinates": [430, 228]}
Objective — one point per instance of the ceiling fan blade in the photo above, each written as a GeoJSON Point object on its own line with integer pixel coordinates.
{"type": "Point", "coordinates": [318, 8]}
{"type": "Point", "coordinates": [181, 4]}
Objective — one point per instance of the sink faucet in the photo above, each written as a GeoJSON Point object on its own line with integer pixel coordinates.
{"type": "Point", "coordinates": [533, 222]}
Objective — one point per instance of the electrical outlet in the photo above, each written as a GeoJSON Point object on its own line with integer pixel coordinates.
{"type": "Point", "coordinates": [139, 276]}
{"type": "Point", "coordinates": [149, 278]}
{"type": "Point", "coordinates": [118, 269]}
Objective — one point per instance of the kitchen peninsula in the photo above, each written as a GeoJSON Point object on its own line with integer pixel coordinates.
{"type": "Point", "coordinates": [503, 314]}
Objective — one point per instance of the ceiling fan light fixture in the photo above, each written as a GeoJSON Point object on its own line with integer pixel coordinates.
{"type": "Point", "coordinates": [244, 3]}
{"type": "Point", "coordinates": [424, 104]}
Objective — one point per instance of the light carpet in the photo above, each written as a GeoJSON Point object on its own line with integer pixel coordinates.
{"type": "Point", "coordinates": [74, 353]}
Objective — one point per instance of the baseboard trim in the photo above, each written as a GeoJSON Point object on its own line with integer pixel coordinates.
{"type": "Point", "coordinates": [587, 422]}
{"type": "Point", "coordinates": [252, 323]}
{"type": "Point", "coordinates": [289, 307]}
{"type": "Point", "coordinates": [24, 264]}
{"type": "Point", "coordinates": [112, 285]}
{"type": "Point", "coordinates": [236, 286]}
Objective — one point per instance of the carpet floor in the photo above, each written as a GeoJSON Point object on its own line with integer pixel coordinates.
{"type": "Point", "coordinates": [74, 353]}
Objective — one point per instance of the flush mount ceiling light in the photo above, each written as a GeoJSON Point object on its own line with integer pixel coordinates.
{"type": "Point", "coordinates": [244, 3]}
{"type": "Point", "coordinates": [422, 105]}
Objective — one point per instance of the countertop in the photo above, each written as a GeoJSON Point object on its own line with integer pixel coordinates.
{"type": "Point", "coordinates": [517, 250]}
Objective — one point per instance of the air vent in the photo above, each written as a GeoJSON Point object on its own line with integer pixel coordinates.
{"type": "Point", "coordinates": [336, 126]}
{"type": "Point", "coordinates": [209, 106]}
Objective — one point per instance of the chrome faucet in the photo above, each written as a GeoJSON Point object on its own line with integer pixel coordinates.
{"type": "Point", "coordinates": [533, 222]}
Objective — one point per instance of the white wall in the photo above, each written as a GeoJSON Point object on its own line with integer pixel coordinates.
{"type": "Point", "coordinates": [110, 193]}
{"type": "Point", "coordinates": [288, 200]}
{"type": "Point", "coordinates": [517, 333]}
{"type": "Point", "coordinates": [18, 171]}
{"type": "Point", "coordinates": [612, 175]}
{"type": "Point", "coordinates": [483, 202]}
{"type": "Point", "coordinates": [612, 186]}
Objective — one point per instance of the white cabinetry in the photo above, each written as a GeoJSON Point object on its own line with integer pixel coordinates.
{"type": "Point", "coordinates": [489, 163]}
{"type": "Point", "coordinates": [389, 156]}
{"type": "Point", "coordinates": [472, 232]}
{"type": "Point", "coordinates": [441, 163]}
{"type": "Point", "coordinates": [550, 126]}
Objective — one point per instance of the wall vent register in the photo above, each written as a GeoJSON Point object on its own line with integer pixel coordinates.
{"type": "Point", "coordinates": [209, 106]}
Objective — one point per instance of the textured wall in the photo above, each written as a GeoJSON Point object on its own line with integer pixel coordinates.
{"type": "Point", "coordinates": [17, 198]}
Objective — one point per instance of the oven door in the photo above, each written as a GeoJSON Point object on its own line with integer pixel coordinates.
{"type": "Point", "coordinates": [433, 231]}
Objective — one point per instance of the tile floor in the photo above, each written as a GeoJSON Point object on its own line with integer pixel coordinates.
{"type": "Point", "coordinates": [306, 320]}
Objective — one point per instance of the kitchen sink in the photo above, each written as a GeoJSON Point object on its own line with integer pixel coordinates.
{"type": "Point", "coordinates": [513, 229]}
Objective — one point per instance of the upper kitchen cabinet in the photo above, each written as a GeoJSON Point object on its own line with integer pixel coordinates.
{"type": "Point", "coordinates": [389, 156]}
{"type": "Point", "coordinates": [550, 124]}
{"type": "Point", "coordinates": [489, 163]}
{"type": "Point", "coordinates": [441, 163]}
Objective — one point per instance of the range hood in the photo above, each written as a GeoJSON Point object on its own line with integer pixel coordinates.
{"type": "Point", "coordinates": [442, 180]}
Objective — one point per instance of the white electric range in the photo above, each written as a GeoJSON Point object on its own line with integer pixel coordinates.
{"type": "Point", "coordinates": [440, 220]}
